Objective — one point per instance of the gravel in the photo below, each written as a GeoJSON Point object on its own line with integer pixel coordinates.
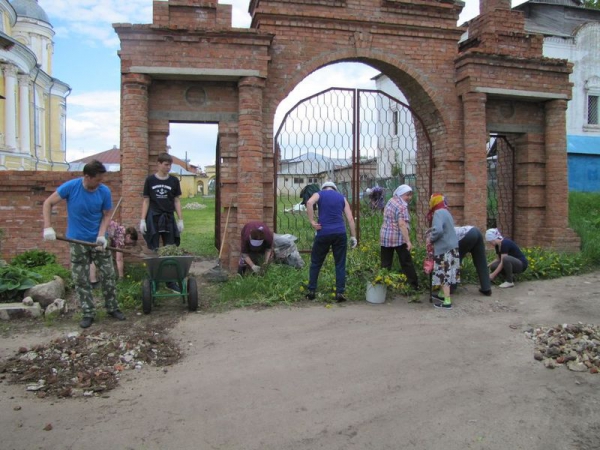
{"type": "Point", "coordinates": [89, 363]}
{"type": "Point", "coordinates": [576, 346]}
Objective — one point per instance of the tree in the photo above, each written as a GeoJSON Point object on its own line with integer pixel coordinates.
{"type": "Point", "coordinates": [594, 4]}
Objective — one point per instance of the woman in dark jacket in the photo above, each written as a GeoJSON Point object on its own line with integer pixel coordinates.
{"type": "Point", "coordinates": [511, 259]}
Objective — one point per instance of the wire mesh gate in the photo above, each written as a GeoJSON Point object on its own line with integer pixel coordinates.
{"type": "Point", "coordinates": [365, 141]}
{"type": "Point", "coordinates": [501, 184]}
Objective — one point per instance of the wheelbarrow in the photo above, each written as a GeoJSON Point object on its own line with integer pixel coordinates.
{"type": "Point", "coordinates": [169, 269]}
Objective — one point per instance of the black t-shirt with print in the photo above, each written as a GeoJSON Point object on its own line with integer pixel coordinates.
{"type": "Point", "coordinates": [162, 193]}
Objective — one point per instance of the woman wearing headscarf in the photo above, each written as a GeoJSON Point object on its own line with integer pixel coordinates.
{"type": "Point", "coordinates": [510, 261]}
{"type": "Point", "coordinates": [394, 234]}
{"type": "Point", "coordinates": [446, 259]}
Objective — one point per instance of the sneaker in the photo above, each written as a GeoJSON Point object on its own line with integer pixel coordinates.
{"type": "Point", "coordinates": [310, 295]}
{"type": "Point", "coordinates": [340, 298]}
{"type": "Point", "coordinates": [507, 284]}
{"type": "Point", "coordinates": [437, 298]}
{"type": "Point", "coordinates": [117, 314]}
{"type": "Point", "coordinates": [443, 305]}
{"type": "Point", "coordinates": [486, 293]}
{"type": "Point", "coordinates": [173, 286]}
{"type": "Point", "coordinates": [86, 322]}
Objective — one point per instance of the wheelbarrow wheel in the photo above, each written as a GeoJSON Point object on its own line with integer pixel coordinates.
{"type": "Point", "coordinates": [192, 294]}
{"type": "Point", "coordinates": [146, 296]}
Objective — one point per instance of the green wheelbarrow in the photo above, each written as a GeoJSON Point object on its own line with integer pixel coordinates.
{"type": "Point", "coordinates": [169, 269]}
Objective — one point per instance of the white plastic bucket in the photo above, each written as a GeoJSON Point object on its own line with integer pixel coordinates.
{"type": "Point", "coordinates": [376, 294]}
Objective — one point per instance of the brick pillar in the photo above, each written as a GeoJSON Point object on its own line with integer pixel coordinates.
{"type": "Point", "coordinates": [557, 190]}
{"type": "Point", "coordinates": [555, 232]}
{"type": "Point", "coordinates": [475, 138]}
{"type": "Point", "coordinates": [486, 6]}
{"type": "Point", "coordinates": [158, 132]}
{"type": "Point", "coordinates": [250, 151]}
{"type": "Point", "coordinates": [134, 144]}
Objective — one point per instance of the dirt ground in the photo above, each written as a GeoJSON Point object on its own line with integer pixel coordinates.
{"type": "Point", "coordinates": [392, 376]}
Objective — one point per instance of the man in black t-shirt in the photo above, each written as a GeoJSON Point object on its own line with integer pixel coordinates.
{"type": "Point", "coordinates": [161, 201]}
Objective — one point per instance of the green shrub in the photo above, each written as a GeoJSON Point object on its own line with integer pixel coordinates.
{"type": "Point", "coordinates": [129, 289]}
{"type": "Point", "coordinates": [33, 258]}
{"type": "Point", "coordinates": [284, 284]}
{"type": "Point", "coordinates": [49, 271]}
{"type": "Point", "coordinates": [14, 280]}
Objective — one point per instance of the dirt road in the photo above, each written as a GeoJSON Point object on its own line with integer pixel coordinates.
{"type": "Point", "coordinates": [391, 376]}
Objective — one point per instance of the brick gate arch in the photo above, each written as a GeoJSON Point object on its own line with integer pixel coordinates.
{"type": "Point", "coordinates": [191, 66]}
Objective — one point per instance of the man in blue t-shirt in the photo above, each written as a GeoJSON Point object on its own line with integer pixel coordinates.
{"type": "Point", "coordinates": [330, 233]}
{"type": "Point", "coordinates": [89, 207]}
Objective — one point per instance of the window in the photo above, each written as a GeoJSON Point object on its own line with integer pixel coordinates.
{"type": "Point", "coordinates": [592, 92]}
{"type": "Point", "coordinates": [592, 112]}
{"type": "Point", "coordinates": [313, 180]}
{"type": "Point", "coordinates": [298, 180]}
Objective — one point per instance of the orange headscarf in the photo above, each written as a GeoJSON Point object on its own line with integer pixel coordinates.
{"type": "Point", "coordinates": [437, 201]}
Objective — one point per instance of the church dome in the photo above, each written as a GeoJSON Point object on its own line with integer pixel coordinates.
{"type": "Point", "coordinates": [30, 9]}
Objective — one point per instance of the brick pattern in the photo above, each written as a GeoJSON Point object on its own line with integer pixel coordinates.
{"type": "Point", "coordinates": [415, 43]}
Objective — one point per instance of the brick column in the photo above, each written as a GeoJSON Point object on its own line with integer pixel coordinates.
{"type": "Point", "coordinates": [557, 190]}
{"type": "Point", "coordinates": [158, 132]}
{"type": "Point", "coordinates": [250, 195]}
{"type": "Point", "coordinates": [475, 138]}
{"type": "Point", "coordinates": [555, 232]}
{"type": "Point", "coordinates": [134, 144]}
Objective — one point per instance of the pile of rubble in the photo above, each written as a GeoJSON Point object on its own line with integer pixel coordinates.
{"type": "Point", "coordinates": [194, 205]}
{"type": "Point", "coordinates": [576, 346]}
{"type": "Point", "coordinates": [87, 364]}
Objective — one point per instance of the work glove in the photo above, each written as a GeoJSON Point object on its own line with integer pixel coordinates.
{"type": "Point", "coordinates": [256, 269]}
{"type": "Point", "coordinates": [180, 225]}
{"type": "Point", "coordinates": [49, 234]}
{"type": "Point", "coordinates": [353, 242]}
{"type": "Point", "coordinates": [101, 242]}
{"type": "Point", "coordinates": [143, 228]}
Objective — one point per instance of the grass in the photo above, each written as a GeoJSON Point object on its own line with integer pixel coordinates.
{"type": "Point", "coordinates": [286, 285]}
{"type": "Point", "coordinates": [584, 218]}
{"type": "Point", "coordinates": [198, 236]}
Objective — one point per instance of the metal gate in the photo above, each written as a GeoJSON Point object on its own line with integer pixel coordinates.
{"type": "Point", "coordinates": [365, 141]}
{"type": "Point", "coordinates": [501, 184]}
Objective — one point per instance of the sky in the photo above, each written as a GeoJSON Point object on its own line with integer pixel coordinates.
{"type": "Point", "coordinates": [85, 57]}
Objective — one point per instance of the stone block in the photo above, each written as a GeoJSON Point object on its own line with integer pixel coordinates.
{"type": "Point", "coordinates": [10, 311]}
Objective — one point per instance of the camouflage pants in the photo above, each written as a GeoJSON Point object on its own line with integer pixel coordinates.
{"type": "Point", "coordinates": [81, 257]}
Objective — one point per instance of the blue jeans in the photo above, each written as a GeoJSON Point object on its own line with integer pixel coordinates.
{"type": "Point", "coordinates": [338, 244]}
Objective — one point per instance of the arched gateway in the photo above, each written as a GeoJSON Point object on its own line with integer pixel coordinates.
{"type": "Point", "coordinates": [465, 84]}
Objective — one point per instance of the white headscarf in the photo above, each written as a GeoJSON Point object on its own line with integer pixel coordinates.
{"type": "Point", "coordinates": [330, 184]}
{"type": "Point", "coordinates": [492, 234]}
{"type": "Point", "coordinates": [402, 189]}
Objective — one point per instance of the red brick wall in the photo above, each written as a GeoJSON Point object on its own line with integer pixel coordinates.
{"type": "Point", "coordinates": [239, 77]}
{"type": "Point", "coordinates": [22, 195]}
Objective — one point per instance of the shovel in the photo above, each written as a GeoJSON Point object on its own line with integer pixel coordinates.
{"type": "Point", "coordinates": [91, 244]}
{"type": "Point", "coordinates": [217, 273]}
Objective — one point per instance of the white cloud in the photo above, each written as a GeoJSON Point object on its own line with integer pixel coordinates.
{"type": "Point", "coordinates": [92, 123]}
{"type": "Point", "coordinates": [97, 100]}
{"type": "Point", "coordinates": [93, 19]}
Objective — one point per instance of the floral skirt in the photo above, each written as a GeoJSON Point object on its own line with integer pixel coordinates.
{"type": "Point", "coordinates": [446, 268]}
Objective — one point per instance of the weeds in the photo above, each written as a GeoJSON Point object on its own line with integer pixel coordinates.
{"type": "Point", "coordinates": [284, 285]}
